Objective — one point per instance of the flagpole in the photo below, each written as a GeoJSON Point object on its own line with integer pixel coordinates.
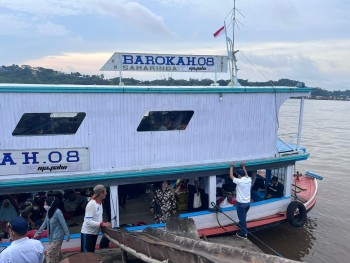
{"type": "Point", "coordinates": [229, 53]}
{"type": "Point", "coordinates": [230, 46]}
{"type": "Point", "coordinates": [233, 26]}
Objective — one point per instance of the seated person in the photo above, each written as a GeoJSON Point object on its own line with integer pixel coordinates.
{"type": "Point", "coordinates": [259, 184]}
{"type": "Point", "coordinates": [37, 214]}
{"type": "Point", "coordinates": [28, 213]}
{"type": "Point", "coordinates": [275, 189]}
{"type": "Point", "coordinates": [220, 181]}
{"type": "Point", "coordinates": [74, 204]}
{"type": "Point", "coordinates": [7, 211]}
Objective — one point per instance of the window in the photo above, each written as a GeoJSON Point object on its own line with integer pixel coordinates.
{"type": "Point", "coordinates": [280, 173]}
{"type": "Point", "coordinates": [49, 123]}
{"type": "Point", "coordinates": [165, 121]}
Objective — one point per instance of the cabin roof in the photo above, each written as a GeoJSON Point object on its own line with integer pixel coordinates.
{"type": "Point", "coordinates": [46, 88]}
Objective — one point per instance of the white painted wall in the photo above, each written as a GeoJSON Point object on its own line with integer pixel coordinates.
{"type": "Point", "coordinates": [241, 126]}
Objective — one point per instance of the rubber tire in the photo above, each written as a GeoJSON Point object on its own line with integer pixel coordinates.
{"type": "Point", "coordinates": [296, 220]}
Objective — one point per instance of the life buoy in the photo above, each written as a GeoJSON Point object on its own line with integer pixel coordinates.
{"type": "Point", "coordinates": [296, 214]}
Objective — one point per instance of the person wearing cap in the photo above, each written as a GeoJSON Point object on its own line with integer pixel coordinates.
{"type": "Point", "coordinates": [22, 249]}
{"type": "Point", "coordinates": [275, 189]}
{"type": "Point", "coordinates": [93, 220]}
{"type": "Point", "coordinates": [244, 184]}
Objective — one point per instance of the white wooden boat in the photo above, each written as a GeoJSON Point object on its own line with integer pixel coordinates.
{"type": "Point", "coordinates": [70, 136]}
{"type": "Point", "coordinates": [226, 124]}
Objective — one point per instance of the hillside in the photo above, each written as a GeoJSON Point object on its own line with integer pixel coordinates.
{"type": "Point", "coordinates": [26, 74]}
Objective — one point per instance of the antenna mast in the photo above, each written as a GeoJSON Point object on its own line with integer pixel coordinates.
{"type": "Point", "coordinates": [231, 50]}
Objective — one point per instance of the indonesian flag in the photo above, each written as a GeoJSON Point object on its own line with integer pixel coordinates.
{"type": "Point", "coordinates": [219, 32]}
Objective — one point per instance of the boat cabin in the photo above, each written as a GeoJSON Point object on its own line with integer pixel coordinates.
{"type": "Point", "coordinates": [57, 137]}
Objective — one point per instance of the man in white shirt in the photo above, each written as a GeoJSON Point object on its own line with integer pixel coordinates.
{"type": "Point", "coordinates": [22, 249]}
{"type": "Point", "coordinates": [93, 220]}
{"type": "Point", "coordinates": [244, 183]}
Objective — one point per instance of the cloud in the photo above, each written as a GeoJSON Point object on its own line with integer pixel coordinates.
{"type": "Point", "coordinates": [85, 63]}
{"type": "Point", "coordinates": [129, 12]}
{"type": "Point", "coordinates": [304, 41]}
{"type": "Point", "coordinates": [318, 63]}
{"type": "Point", "coordinates": [315, 63]}
{"type": "Point", "coordinates": [176, 2]}
{"type": "Point", "coordinates": [50, 29]}
{"type": "Point", "coordinates": [13, 25]}
{"type": "Point", "coordinates": [44, 8]}
{"type": "Point", "coordinates": [23, 26]}
{"type": "Point", "coordinates": [135, 14]}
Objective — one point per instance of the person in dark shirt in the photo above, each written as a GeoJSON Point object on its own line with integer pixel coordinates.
{"type": "Point", "coordinates": [275, 189]}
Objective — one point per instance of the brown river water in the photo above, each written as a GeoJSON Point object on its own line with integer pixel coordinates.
{"type": "Point", "coordinates": [326, 136]}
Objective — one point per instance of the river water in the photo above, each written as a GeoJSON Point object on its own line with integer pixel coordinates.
{"type": "Point", "coordinates": [326, 136]}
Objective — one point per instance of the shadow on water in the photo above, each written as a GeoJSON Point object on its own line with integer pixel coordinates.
{"type": "Point", "coordinates": [291, 242]}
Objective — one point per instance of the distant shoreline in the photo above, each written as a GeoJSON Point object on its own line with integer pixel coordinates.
{"type": "Point", "coordinates": [328, 98]}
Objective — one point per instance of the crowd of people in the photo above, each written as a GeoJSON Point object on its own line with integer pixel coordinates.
{"type": "Point", "coordinates": [18, 224]}
{"type": "Point", "coordinates": [26, 217]}
{"type": "Point", "coordinates": [43, 214]}
{"type": "Point", "coordinates": [31, 206]}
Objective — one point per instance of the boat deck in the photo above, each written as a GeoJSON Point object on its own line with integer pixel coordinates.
{"type": "Point", "coordinates": [136, 211]}
{"type": "Point", "coordinates": [303, 187]}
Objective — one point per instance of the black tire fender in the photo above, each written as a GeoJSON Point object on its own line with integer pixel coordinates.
{"type": "Point", "coordinates": [296, 214]}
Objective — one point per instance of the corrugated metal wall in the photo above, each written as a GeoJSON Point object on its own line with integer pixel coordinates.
{"type": "Point", "coordinates": [238, 126]}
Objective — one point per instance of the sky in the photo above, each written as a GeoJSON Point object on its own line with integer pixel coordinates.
{"type": "Point", "coordinates": [308, 41]}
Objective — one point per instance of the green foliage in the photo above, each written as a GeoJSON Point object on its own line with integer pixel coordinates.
{"type": "Point", "coordinates": [28, 75]}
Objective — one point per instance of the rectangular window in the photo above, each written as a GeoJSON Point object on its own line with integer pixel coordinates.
{"type": "Point", "coordinates": [165, 121]}
{"type": "Point", "coordinates": [280, 173]}
{"type": "Point", "coordinates": [49, 123]}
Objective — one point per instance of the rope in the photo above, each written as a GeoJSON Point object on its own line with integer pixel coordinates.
{"type": "Point", "coordinates": [217, 209]}
{"type": "Point", "coordinates": [217, 219]}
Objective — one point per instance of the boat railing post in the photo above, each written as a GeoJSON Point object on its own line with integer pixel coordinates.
{"type": "Point", "coordinates": [301, 114]}
{"type": "Point", "coordinates": [268, 177]}
{"type": "Point", "coordinates": [212, 189]}
{"type": "Point", "coordinates": [114, 202]}
{"type": "Point", "coordinates": [288, 180]}
{"type": "Point", "coordinates": [121, 83]}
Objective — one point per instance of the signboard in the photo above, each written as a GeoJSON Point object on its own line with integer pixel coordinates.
{"type": "Point", "coordinates": [168, 63]}
{"type": "Point", "coordinates": [44, 161]}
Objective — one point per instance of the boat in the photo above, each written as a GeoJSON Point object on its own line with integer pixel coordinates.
{"type": "Point", "coordinates": [155, 245]}
{"type": "Point", "coordinates": [73, 136]}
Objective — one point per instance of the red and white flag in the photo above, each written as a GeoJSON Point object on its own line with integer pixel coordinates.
{"type": "Point", "coordinates": [219, 32]}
